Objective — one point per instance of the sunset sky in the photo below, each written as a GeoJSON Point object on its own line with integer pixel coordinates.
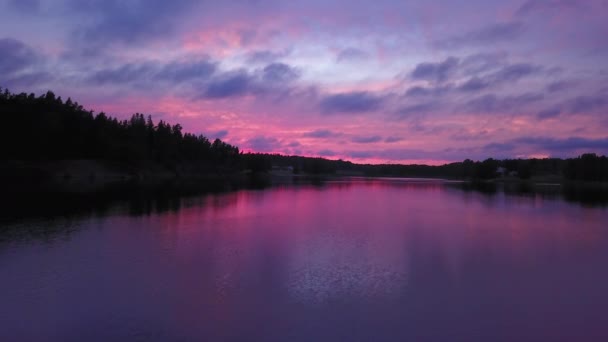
{"type": "Point", "coordinates": [369, 81]}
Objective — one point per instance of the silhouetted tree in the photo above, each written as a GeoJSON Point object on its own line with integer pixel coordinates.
{"type": "Point", "coordinates": [45, 128]}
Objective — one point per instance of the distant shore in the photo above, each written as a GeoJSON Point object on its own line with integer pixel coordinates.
{"type": "Point", "coordinates": [90, 176]}
{"type": "Point", "coordinates": [51, 188]}
{"type": "Point", "coordinates": [82, 176]}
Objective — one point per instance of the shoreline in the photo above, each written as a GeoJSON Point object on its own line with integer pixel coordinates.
{"type": "Point", "coordinates": [80, 195]}
{"type": "Point", "coordinates": [92, 176]}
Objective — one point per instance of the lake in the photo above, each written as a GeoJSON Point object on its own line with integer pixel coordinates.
{"type": "Point", "coordinates": [342, 260]}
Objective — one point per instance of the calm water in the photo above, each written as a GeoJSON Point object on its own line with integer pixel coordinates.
{"type": "Point", "coordinates": [345, 261]}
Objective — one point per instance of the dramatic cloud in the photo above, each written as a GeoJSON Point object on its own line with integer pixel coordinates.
{"type": "Point", "coordinates": [263, 144]}
{"type": "Point", "coordinates": [280, 73]}
{"type": "Point", "coordinates": [475, 84]}
{"type": "Point", "coordinates": [435, 72]}
{"type": "Point", "coordinates": [172, 73]}
{"type": "Point", "coordinates": [492, 103]}
{"type": "Point", "coordinates": [559, 86]}
{"type": "Point", "coordinates": [20, 65]}
{"type": "Point", "coordinates": [507, 74]}
{"type": "Point", "coordinates": [393, 139]}
{"type": "Point", "coordinates": [321, 133]}
{"type": "Point", "coordinates": [499, 148]}
{"type": "Point", "coordinates": [265, 56]}
{"type": "Point", "coordinates": [15, 56]}
{"type": "Point", "coordinates": [237, 83]}
{"type": "Point", "coordinates": [561, 146]}
{"type": "Point", "coordinates": [355, 102]}
{"type": "Point", "coordinates": [531, 6]}
{"type": "Point", "coordinates": [418, 91]}
{"type": "Point", "coordinates": [390, 80]}
{"type": "Point", "coordinates": [490, 34]}
{"type": "Point", "coordinates": [221, 134]}
{"type": "Point", "coordinates": [352, 55]}
{"type": "Point", "coordinates": [185, 71]}
{"type": "Point", "coordinates": [25, 6]}
{"type": "Point", "coordinates": [327, 153]}
{"type": "Point", "coordinates": [549, 113]}
{"type": "Point", "coordinates": [367, 139]}
{"type": "Point", "coordinates": [419, 108]}
{"type": "Point", "coordinates": [124, 74]}
{"type": "Point", "coordinates": [128, 21]}
{"type": "Point", "coordinates": [514, 72]}
{"type": "Point", "coordinates": [482, 62]}
{"type": "Point", "coordinates": [584, 103]}
{"type": "Point", "coordinates": [272, 78]}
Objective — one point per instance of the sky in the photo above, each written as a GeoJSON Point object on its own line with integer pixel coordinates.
{"type": "Point", "coordinates": [384, 81]}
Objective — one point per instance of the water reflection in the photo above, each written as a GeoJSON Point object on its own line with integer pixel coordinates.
{"type": "Point", "coordinates": [594, 195]}
{"type": "Point", "coordinates": [378, 260]}
{"type": "Point", "coordinates": [143, 201]}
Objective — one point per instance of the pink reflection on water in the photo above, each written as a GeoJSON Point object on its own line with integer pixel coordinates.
{"type": "Point", "coordinates": [360, 239]}
{"type": "Point", "coordinates": [382, 259]}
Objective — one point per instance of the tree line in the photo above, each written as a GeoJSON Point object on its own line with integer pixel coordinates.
{"type": "Point", "coordinates": [47, 128]}
{"type": "Point", "coordinates": [588, 167]}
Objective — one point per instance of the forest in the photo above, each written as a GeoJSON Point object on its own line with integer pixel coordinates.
{"type": "Point", "coordinates": [46, 128]}
{"type": "Point", "coordinates": [587, 167]}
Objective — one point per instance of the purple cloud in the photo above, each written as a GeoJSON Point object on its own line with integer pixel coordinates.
{"type": "Point", "coordinates": [393, 139]}
{"type": "Point", "coordinates": [352, 55]}
{"type": "Point", "coordinates": [435, 72]}
{"type": "Point", "coordinates": [418, 91]}
{"type": "Point", "coordinates": [174, 72]}
{"type": "Point", "coordinates": [366, 139]}
{"type": "Point", "coordinates": [556, 86]}
{"type": "Point", "coordinates": [263, 144]}
{"type": "Point", "coordinates": [487, 35]}
{"type": "Point", "coordinates": [507, 74]}
{"type": "Point", "coordinates": [566, 145]}
{"type": "Point", "coordinates": [491, 103]}
{"type": "Point", "coordinates": [21, 66]}
{"type": "Point", "coordinates": [354, 102]}
{"type": "Point", "coordinates": [499, 148]}
{"type": "Point", "coordinates": [124, 74]}
{"type": "Point", "coordinates": [188, 70]}
{"type": "Point", "coordinates": [15, 56]}
{"type": "Point", "coordinates": [321, 133]}
{"type": "Point", "coordinates": [587, 103]}
{"type": "Point", "coordinates": [549, 113]}
{"type": "Point", "coordinates": [280, 73]}
{"type": "Point", "coordinates": [327, 153]}
{"type": "Point", "coordinates": [531, 6]}
{"type": "Point", "coordinates": [29, 79]}
{"type": "Point", "coordinates": [483, 62]}
{"type": "Point", "coordinates": [265, 56]}
{"type": "Point", "coordinates": [131, 22]}
{"type": "Point", "coordinates": [221, 134]}
{"type": "Point", "coordinates": [300, 63]}
{"type": "Point", "coordinates": [515, 72]}
{"type": "Point", "coordinates": [237, 83]}
{"type": "Point", "coordinates": [420, 108]}
{"type": "Point", "coordinates": [25, 6]}
{"type": "Point", "coordinates": [474, 84]}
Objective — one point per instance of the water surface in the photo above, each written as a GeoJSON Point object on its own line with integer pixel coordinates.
{"type": "Point", "coordinates": [351, 260]}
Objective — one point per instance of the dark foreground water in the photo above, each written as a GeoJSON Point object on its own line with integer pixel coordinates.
{"type": "Point", "coordinates": [353, 260]}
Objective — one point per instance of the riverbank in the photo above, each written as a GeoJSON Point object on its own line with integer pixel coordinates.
{"type": "Point", "coordinates": [84, 176]}
{"type": "Point", "coordinates": [45, 193]}
{"type": "Point", "coordinates": [91, 176]}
